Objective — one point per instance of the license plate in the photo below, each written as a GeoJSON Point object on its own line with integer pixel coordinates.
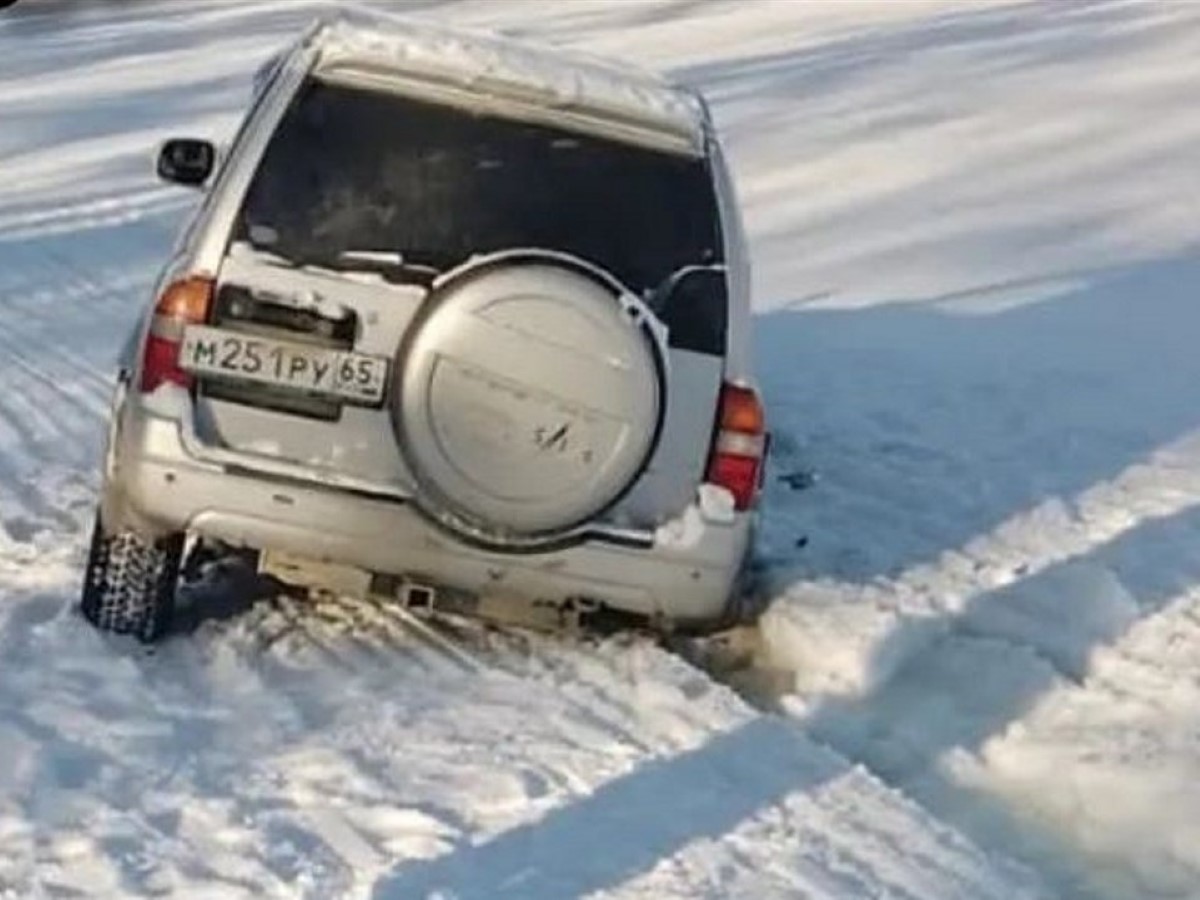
{"type": "Point", "coordinates": [214, 352]}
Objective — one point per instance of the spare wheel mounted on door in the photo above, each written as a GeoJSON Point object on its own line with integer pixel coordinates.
{"type": "Point", "coordinates": [528, 397]}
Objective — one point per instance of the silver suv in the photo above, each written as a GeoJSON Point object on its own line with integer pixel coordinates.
{"type": "Point", "coordinates": [458, 322]}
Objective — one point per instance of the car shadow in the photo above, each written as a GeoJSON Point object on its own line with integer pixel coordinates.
{"type": "Point", "coordinates": [222, 586]}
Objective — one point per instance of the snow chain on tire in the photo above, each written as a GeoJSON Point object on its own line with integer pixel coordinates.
{"type": "Point", "coordinates": [129, 586]}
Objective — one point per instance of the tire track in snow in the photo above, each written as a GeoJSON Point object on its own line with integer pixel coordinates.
{"type": "Point", "coordinates": [972, 650]}
{"type": "Point", "coordinates": [57, 311]}
{"type": "Point", "coordinates": [188, 688]}
{"type": "Point", "coordinates": [349, 632]}
{"type": "Point", "coordinates": [358, 645]}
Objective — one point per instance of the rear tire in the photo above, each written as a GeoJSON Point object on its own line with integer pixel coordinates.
{"type": "Point", "coordinates": [129, 584]}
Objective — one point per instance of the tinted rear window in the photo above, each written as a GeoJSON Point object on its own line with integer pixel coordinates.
{"type": "Point", "coordinates": [356, 170]}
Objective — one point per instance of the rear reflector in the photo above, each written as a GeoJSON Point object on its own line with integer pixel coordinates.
{"type": "Point", "coordinates": [740, 446]}
{"type": "Point", "coordinates": [738, 475]}
{"type": "Point", "coordinates": [185, 302]}
{"type": "Point", "coordinates": [159, 364]}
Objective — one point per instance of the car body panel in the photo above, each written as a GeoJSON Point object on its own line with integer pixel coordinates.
{"type": "Point", "coordinates": [679, 574]}
{"type": "Point", "coordinates": [343, 489]}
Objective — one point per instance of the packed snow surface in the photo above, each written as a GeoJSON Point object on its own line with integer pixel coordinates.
{"type": "Point", "coordinates": [974, 227]}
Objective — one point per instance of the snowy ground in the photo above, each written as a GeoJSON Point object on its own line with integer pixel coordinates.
{"type": "Point", "coordinates": [974, 229]}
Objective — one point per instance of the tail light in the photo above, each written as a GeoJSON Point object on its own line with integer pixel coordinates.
{"type": "Point", "coordinates": [184, 302]}
{"type": "Point", "coordinates": [740, 447]}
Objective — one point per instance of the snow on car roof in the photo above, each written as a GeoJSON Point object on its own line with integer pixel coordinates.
{"type": "Point", "coordinates": [358, 39]}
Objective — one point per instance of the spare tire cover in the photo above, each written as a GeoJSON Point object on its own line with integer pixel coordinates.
{"type": "Point", "coordinates": [528, 398]}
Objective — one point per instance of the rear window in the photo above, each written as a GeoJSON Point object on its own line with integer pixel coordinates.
{"type": "Point", "coordinates": [356, 170]}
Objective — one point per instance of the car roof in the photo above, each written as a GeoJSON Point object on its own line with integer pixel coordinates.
{"type": "Point", "coordinates": [429, 57]}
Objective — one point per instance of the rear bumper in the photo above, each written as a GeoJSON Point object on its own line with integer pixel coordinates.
{"type": "Point", "coordinates": [154, 485]}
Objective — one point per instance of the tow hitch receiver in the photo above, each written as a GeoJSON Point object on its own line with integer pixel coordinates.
{"type": "Point", "coordinates": [422, 598]}
{"type": "Point", "coordinates": [508, 610]}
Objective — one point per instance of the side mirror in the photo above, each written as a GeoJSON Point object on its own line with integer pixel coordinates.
{"type": "Point", "coordinates": [187, 161]}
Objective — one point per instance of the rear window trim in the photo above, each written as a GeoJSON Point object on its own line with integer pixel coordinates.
{"type": "Point", "coordinates": [595, 121]}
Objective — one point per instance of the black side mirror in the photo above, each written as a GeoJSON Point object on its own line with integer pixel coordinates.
{"type": "Point", "coordinates": [187, 161]}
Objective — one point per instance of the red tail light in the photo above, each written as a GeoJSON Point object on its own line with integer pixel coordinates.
{"type": "Point", "coordinates": [183, 303]}
{"type": "Point", "coordinates": [740, 447]}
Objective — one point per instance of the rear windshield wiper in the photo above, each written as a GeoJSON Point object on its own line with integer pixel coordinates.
{"type": "Point", "coordinates": [389, 264]}
{"type": "Point", "coordinates": [659, 297]}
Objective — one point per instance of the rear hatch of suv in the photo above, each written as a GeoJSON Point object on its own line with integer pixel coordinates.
{"type": "Point", "coordinates": [521, 326]}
